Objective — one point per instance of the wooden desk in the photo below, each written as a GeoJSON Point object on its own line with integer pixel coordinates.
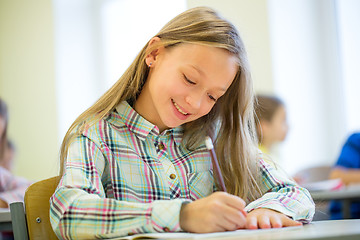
{"type": "Point", "coordinates": [347, 195]}
{"type": "Point", "coordinates": [330, 230]}
{"type": "Point", "coordinates": [5, 219]}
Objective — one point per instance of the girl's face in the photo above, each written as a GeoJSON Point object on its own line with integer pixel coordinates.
{"type": "Point", "coordinates": [184, 83]}
{"type": "Point", "coordinates": [278, 126]}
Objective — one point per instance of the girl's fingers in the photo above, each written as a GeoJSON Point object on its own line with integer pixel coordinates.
{"type": "Point", "coordinates": [236, 219]}
{"type": "Point", "coordinates": [276, 222]}
{"type": "Point", "coordinates": [288, 222]}
{"type": "Point", "coordinates": [219, 227]}
{"type": "Point", "coordinates": [214, 213]}
{"type": "Point", "coordinates": [266, 218]}
{"type": "Point", "coordinates": [232, 211]}
{"type": "Point", "coordinates": [264, 221]}
{"type": "Point", "coordinates": [251, 222]}
{"type": "Point", "coordinates": [229, 218]}
{"type": "Point", "coordinates": [235, 202]}
{"type": "Point", "coordinates": [227, 226]}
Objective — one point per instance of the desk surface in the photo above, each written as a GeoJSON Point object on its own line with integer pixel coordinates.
{"type": "Point", "coordinates": [5, 215]}
{"type": "Point", "coordinates": [351, 193]}
{"type": "Point", "coordinates": [5, 219]}
{"type": "Point", "coordinates": [344, 229]}
{"type": "Point", "coordinates": [339, 229]}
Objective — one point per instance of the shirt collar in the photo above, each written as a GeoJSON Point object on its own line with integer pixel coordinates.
{"type": "Point", "coordinates": [178, 134]}
{"type": "Point", "coordinates": [142, 127]}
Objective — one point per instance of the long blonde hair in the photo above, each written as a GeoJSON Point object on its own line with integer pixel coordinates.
{"type": "Point", "coordinates": [232, 115]}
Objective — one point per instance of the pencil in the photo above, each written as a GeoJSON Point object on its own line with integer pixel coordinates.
{"type": "Point", "coordinates": [210, 146]}
{"type": "Point", "coordinates": [215, 163]}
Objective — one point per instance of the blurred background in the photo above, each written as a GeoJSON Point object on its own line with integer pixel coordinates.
{"type": "Point", "coordinates": [57, 57]}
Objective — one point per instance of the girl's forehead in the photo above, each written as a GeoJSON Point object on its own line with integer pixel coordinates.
{"type": "Point", "coordinates": [208, 62]}
{"type": "Point", "coordinates": [191, 52]}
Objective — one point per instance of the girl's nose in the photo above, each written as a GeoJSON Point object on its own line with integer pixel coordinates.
{"type": "Point", "coordinates": [194, 100]}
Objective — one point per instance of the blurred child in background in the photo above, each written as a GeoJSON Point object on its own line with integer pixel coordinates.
{"type": "Point", "coordinates": [8, 158]}
{"type": "Point", "coordinates": [347, 168]}
{"type": "Point", "coordinates": [12, 189]}
{"type": "Point", "coordinates": [3, 127]}
{"type": "Point", "coordinates": [7, 147]}
{"type": "Point", "coordinates": [271, 122]}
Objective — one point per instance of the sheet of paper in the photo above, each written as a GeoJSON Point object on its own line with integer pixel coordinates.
{"type": "Point", "coordinates": [326, 185]}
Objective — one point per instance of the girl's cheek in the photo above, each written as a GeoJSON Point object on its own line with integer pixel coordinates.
{"type": "Point", "coordinates": [207, 110]}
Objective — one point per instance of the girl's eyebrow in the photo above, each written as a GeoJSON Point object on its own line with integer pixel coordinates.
{"type": "Point", "coordinates": [197, 69]}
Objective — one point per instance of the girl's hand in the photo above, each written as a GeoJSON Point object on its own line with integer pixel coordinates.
{"type": "Point", "coordinates": [216, 213]}
{"type": "Point", "coordinates": [267, 218]}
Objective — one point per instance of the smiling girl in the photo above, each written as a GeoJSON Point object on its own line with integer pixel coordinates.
{"type": "Point", "coordinates": [136, 160]}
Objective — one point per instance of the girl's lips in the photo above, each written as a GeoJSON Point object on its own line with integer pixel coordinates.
{"type": "Point", "coordinates": [179, 108]}
{"type": "Point", "coordinates": [179, 112]}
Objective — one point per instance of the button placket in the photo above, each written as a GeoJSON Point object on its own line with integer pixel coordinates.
{"type": "Point", "coordinates": [170, 176]}
{"type": "Point", "coordinates": [161, 146]}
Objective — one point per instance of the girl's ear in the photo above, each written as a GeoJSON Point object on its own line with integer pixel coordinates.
{"type": "Point", "coordinates": [153, 50]}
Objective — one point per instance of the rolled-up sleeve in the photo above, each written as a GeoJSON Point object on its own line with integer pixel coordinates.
{"type": "Point", "coordinates": [283, 195]}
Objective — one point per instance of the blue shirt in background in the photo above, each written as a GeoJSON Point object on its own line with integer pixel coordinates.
{"type": "Point", "coordinates": [349, 158]}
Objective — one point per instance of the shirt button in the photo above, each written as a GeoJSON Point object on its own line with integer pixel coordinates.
{"type": "Point", "coordinates": [161, 146]}
{"type": "Point", "coordinates": [172, 176]}
{"type": "Point", "coordinates": [166, 229]}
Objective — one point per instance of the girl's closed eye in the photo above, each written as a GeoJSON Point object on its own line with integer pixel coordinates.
{"type": "Point", "coordinates": [188, 80]}
{"type": "Point", "coordinates": [212, 98]}
{"type": "Point", "coordinates": [193, 83]}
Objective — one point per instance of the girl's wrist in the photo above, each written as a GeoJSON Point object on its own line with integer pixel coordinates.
{"type": "Point", "coordinates": [183, 216]}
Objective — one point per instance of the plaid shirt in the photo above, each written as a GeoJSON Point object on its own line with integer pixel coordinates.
{"type": "Point", "coordinates": [122, 176]}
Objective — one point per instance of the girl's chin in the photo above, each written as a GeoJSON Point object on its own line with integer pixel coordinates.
{"type": "Point", "coordinates": [174, 124]}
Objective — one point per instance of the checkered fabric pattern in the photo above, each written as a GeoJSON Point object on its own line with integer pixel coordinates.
{"type": "Point", "coordinates": [123, 176]}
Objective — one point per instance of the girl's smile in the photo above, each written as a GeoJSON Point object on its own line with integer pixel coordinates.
{"type": "Point", "coordinates": [181, 114]}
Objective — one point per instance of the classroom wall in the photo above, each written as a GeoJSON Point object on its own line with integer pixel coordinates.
{"type": "Point", "coordinates": [251, 19]}
{"type": "Point", "coordinates": [27, 84]}
{"type": "Point", "coordinates": [27, 72]}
